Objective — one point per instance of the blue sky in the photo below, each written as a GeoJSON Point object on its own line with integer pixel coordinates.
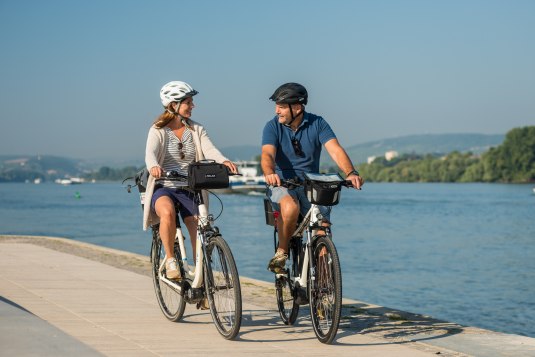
{"type": "Point", "coordinates": [82, 78]}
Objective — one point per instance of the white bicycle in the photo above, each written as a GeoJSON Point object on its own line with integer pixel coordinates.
{"type": "Point", "coordinates": [213, 276]}
{"type": "Point", "coordinates": [312, 273]}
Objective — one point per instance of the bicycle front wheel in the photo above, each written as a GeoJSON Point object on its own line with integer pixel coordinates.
{"type": "Point", "coordinates": [325, 291]}
{"type": "Point", "coordinates": [171, 302]}
{"type": "Point", "coordinates": [223, 289]}
{"type": "Point", "coordinates": [285, 288]}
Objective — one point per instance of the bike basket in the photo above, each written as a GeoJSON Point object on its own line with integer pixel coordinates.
{"type": "Point", "coordinates": [141, 179]}
{"type": "Point", "coordinates": [323, 189]}
{"type": "Point", "coordinates": [269, 212]}
{"type": "Point", "coordinates": [207, 175]}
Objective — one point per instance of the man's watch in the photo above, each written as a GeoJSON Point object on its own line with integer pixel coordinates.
{"type": "Point", "coordinates": [355, 172]}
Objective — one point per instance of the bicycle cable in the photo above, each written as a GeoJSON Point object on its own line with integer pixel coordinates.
{"type": "Point", "coordinates": [220, 201]}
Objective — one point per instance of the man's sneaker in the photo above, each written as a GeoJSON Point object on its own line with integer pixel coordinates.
{"type": "Point", "coordinates": [277, 263]}
{"type": "Point", "coordinates": [171, 269]}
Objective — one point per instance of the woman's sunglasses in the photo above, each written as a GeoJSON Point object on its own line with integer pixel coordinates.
{"type": "Point", "coordinates": [181, 154]}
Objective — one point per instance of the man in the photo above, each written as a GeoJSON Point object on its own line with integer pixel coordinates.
{"type": "Point", "coordinates": [291, 145]}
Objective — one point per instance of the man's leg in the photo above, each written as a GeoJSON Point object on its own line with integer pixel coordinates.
{"type": "Point", "coordinates": [289, 212]}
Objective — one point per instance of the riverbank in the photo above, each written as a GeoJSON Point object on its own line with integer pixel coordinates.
{"type": "Point", "coordinates": [365, 329]}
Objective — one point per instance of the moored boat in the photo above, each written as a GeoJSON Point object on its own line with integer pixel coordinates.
{"type": "Point", "coordinates": [251, 180]}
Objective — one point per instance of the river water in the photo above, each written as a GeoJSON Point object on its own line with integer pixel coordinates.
{"type": "Point", "coordinates": [459, 252]}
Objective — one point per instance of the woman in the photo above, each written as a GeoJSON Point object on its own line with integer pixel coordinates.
{"type": "Point", "coordinates": [175, 141]}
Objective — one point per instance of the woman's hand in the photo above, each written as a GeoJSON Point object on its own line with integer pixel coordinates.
{"type": "Point", "coordinates": [232, 167]}
{"type": "Point", "coordinates": [156, 171]}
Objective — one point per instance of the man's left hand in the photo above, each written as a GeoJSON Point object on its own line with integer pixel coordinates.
{"type": "Point", "coordinates": [356, 180]}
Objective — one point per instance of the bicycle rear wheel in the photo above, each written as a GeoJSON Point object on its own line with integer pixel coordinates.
{"type": "Point", "coordinates": [325, 292]}
{"type": "Point", "coordinates": [223, 289]}
{"type": "Point", "coordinates": [285, 288]}
{"type": "Point", "coordinates": [171, 302]}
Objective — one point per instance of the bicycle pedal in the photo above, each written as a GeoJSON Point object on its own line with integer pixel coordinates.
{"type": "Point", "coordinates": [203, 304]}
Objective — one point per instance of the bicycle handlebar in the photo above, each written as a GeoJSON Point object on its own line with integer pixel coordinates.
{"type": "Point", "coordinates": [174, 175]}
{"type": "Point", "coordinates": [292, 182]}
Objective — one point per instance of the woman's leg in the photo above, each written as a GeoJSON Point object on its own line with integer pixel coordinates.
{"type": "Point", "coordinates": [165, 209]}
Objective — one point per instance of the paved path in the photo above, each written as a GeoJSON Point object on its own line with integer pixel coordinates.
{"type": "Point", "coordinates": [62, 303]}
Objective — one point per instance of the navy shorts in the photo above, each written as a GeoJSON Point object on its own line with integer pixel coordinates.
{"type": "Point", "coordinates": [184, 198]}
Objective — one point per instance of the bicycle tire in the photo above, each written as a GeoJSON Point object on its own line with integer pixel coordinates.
{"type": "Point", "coordinates": [285, 289]}
{"type": "Point", "coordinates": [325, 291]}
{"type": "Point", "coordinates": [171, 302]}
{"type": "Point", "coordinates": [222, 286]}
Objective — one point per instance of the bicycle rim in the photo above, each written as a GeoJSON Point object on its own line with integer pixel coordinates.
{"type": "Point", "coordinates": [171, 302]}
{"type": "Point", "coordinates": [284, 287]}
{"type": "Point", "coordinates": [326, 291]}
{"type": "Point", "coordinates": [223, 288]}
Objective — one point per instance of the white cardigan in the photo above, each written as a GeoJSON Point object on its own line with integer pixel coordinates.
{"type": "Point", "coordinates": [154, 155]}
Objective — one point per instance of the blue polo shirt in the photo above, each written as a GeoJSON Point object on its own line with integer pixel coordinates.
{"type": "Point", "coordinates": [312, 134]}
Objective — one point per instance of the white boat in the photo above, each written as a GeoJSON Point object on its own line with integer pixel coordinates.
{"type": "Point", "coordinates": [70, 181]}
{"type": "Point", "coordinates": [77, 180]}
{"type": "Point", "coordinates": [63, 181]}
{"type": "Point", "coordinates": [251, 180]}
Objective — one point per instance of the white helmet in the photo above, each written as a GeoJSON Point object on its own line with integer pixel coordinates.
{"type": "Point", "coordinates": [176, 91]}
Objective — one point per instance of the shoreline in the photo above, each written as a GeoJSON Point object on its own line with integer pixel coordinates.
{"type": "Point", "coordinates": [380, 322]}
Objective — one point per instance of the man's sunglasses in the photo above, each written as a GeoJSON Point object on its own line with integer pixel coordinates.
{"type": "Point", "coordinates": [297, 147]}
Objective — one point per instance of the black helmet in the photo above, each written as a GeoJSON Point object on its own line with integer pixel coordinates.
{"type": "Point", "coordinates": [290, 93]}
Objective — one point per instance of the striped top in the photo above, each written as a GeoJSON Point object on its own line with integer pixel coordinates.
{"type": "Point", "coordinates": [172, 160]}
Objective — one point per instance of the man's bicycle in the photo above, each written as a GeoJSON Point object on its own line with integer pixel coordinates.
{"type": "Point", "coordinates": [213, 276]}
{"type": "Point", "coordinates": [312, 273]}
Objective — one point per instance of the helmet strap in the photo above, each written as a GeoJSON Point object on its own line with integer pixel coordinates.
{"type": "Point", "coordinates": [292, 115]}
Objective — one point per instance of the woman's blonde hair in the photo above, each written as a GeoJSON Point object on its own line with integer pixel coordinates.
{"type": "Point", "coordinates": [163, 119]}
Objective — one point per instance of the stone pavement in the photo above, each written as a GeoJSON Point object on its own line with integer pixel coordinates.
{"type": "Point", "coordinates": [58, 304]}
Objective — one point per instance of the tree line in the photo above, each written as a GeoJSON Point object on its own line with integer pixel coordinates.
{"type": "Point", "coordinates": [512, 161]}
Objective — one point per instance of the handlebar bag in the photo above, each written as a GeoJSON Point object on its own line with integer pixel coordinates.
{"type": "Point", "coordinates": [323, 189]}
{"type": "Point", "coordinates": [207, 174]}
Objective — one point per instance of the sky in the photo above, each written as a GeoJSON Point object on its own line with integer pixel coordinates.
{"type": "Point", "coordinates": [81, 79]}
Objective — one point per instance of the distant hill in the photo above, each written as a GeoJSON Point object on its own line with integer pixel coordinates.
{"type": "Point", "coordinates": [418, 144]}
{"type": "Point", "coordinates": [30, 167]}
{"type": "Point", "coordinates": [425, 144]}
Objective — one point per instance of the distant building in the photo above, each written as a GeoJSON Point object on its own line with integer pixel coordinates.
{"type": "Point", "coordinates": [389, 155]}
{"type": "Point", "coordinates": [371, 159]}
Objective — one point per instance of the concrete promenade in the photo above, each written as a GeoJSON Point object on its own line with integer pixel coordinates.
{"type": "Point", "coordinates": [62, 298]}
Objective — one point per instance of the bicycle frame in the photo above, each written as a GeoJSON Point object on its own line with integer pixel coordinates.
{"type": "Point", "coordinates": [310, 224]}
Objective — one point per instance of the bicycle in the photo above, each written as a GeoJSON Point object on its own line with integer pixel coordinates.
{"type": "Point", "coordinates": [214, 275]}
{"type": "Point", "coordinates": [312, 274]}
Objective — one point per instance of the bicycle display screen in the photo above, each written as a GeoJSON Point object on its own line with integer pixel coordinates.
{"type": "Point", "coordinates": [324, 177]}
